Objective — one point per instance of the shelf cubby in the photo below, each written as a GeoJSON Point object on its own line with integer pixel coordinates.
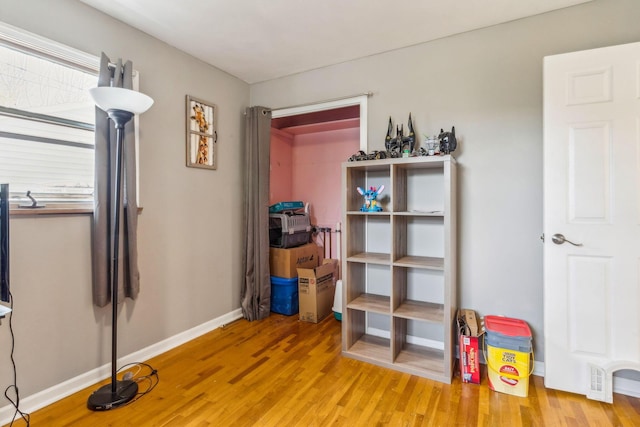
{"type": "Point", "coordinates": [417, 348]}
{"type": "Point", "coordinates": [418, 294]}
{"type": "Point", "coordinates": [364, 340]}
{"type": "Point", "coordinates": [374, 245]}
{"type": "Point", "coordinates": [418, 240]}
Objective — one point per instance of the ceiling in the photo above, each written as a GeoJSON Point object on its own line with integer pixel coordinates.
{"type": "Point", "coordinates": [258, 40]}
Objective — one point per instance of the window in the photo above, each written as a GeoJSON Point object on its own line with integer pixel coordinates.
{"type": "Point", "coordinates": [46, 118]}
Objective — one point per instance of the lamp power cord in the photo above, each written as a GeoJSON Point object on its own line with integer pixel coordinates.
{"type": "Point", "coordinates": [149, 378]}
{"type": "Point", "coordinates": [15, 401]}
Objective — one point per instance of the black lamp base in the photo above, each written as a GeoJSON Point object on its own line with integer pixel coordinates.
{"type": "Point", "coordinates": [104, 399]}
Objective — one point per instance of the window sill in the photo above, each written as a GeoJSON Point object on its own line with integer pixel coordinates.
{"type": "Point", "coordinates": [54, 209]}
{"type": "Point", "coordinates": [57, 209]}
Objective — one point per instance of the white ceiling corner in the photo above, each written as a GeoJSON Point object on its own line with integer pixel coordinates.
{"type": "Point", "coordinates": [257, 40]}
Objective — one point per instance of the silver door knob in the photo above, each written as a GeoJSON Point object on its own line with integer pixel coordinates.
{"type": "Point", "coordinates": [559, 239]}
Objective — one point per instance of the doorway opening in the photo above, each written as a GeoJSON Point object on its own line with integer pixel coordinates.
{"type": "Point", "coordinates": [308, 145]}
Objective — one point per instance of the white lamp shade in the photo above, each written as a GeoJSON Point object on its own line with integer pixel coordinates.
{"type": "Point", "coordinates": [117, 98]}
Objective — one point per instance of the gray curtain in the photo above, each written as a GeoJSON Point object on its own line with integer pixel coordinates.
{"type": "Point", "coordinates": [118, 75]}
{"type": "Point", "coordinates": [256, 290]}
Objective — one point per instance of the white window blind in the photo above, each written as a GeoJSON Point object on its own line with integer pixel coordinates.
{"type": "Point", "coordinates": [46, 117]}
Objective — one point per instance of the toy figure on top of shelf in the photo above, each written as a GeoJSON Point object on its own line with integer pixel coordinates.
{"type": "Point", "coordinates": [378, 155]}
{"type": "Point", "coordinates": [360, 155]}
{"type": "Point", "coordinates": [431, 143]}
{"type": "Point", "coordinates": [375, 155]}
{"type": "Point", "coordinates": [370, 199]}
{"type": "Point", "coordinates": [400, 143]}
{"type": "Point", "coordinates": [448, 142]}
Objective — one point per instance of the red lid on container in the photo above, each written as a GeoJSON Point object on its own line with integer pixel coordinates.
{"type": "Point", "coordinates": [507, 326]}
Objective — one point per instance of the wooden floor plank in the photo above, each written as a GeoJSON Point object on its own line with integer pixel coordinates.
{"type": "Point", "coordinates": [283, 372]}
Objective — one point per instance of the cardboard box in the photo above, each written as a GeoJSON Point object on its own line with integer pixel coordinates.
{"type": "Point", "coordinates": [468, 339]}
{"type": "Point", "coordinates": [285, 262]}
{"type": "Point", "coordinates": [316, 288]}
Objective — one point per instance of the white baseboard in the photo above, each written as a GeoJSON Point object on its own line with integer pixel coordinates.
{"type": "Point", "coordinates": [53, 394]}
{"type": "Point", "coordinates": [538, 368]}
{"type": "Point", "coordinates": [424, 342]}
{"type": "Point", "coordinates": [626, 386]}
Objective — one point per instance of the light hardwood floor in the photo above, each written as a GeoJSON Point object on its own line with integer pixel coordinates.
{"type": "Point", "coordinates": [283, 372]}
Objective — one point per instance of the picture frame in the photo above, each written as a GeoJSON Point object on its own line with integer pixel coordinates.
{"type": "Point", "coordinates": [202, 133]}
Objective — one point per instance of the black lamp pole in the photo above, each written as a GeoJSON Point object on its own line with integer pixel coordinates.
{"type": "Point", "coordinates": [117, 393]}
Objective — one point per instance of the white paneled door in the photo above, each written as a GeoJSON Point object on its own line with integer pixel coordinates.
{"type": "Point", "coordinates": [591, 218]}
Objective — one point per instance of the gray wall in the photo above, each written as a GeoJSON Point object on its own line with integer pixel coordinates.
{"type": "Point", "coordinates": [488, 83]}
{"type": "Point", "coordinates": [189, 230]}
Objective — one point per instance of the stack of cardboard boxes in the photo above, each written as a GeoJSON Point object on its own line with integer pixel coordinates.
{"type": "Point", "coordinates": [302, 282]}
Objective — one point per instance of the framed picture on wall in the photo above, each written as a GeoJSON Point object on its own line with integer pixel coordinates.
{"type": "Point", "coordinates": [202, 134]}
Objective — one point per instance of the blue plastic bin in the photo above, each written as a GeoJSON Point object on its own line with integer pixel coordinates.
{"type": "Point", "coordinates": [284, 295]}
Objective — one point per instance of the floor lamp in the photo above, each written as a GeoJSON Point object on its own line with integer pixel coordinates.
{"type": "Point", "coordinates": [120, 105]}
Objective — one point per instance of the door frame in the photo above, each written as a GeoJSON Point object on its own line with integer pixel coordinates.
{"type": "Point", "coordinates": [360, 100]}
